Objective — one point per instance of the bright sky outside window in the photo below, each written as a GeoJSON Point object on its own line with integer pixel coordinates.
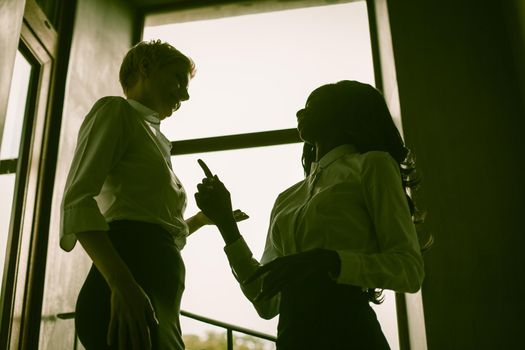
{"type": "Point", "coordinates": [16, 108]}
{"type": "Point", "coordinates": [251, 77]}
{"type": "Point", "coordinates": [255, 71]}
{"type": "Point", "coordinates": [9, 149]}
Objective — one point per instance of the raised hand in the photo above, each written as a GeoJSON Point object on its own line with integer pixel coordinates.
{"type": "Point", "coordinates": [214, 199]}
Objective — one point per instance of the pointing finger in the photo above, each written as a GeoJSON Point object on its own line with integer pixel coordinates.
{"type": "Point", "coordinates": [205, 168]}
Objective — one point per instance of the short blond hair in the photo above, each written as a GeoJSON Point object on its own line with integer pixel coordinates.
{"type": "Point", "coordinates": [157, 53]}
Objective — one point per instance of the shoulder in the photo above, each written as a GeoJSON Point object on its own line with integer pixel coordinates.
{"type": "Point", "coordinates": [379, 164]}
{"type": "Point", "coordinates": [110, 103]}
{"type": "Point", "coordinates": [110, 112]}
{"type": "Point", "coordinates": [374, 159]}
{"type": "Point", "coordinates": [284, 195]}
{"type": "Point", "coordinates": [113, 109]}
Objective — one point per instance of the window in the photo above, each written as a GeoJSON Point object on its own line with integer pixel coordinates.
{"type": "Point", "coordinates": [10, 148]}
{"type": "Point", "coordinates": [254, 71]}
{"type": "Point", "coordinates": [21, 149]}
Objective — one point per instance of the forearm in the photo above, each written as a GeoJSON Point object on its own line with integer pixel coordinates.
{"type": "Point", "coordinates": [107, 260]}
{"type": "Point", "coordinates": [195, 222]}
{"type": "Point", "coordinates": [229, 231]}
{"type": "Point", "coordinates": [243, 266]}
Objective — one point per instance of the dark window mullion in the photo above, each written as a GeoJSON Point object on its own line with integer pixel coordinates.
{"type": "Point", "coordinates": [229, 142]}
{"type": "Point", "coordinates": [8, 166]}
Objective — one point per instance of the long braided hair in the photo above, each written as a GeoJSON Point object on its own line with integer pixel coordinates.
{"type": "Point", "coordinates": [365, 118]}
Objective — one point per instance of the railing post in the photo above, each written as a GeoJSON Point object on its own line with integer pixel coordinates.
{"type": "Point", "coordinates": [75, 343]}
{"type": "Point", "coordinates": [229, 338]}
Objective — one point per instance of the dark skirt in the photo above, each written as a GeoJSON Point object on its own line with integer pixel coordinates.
{"type": "Point", "coordinates": [318, 313]}
{"type": "Point", "coordinates": [151, 255]}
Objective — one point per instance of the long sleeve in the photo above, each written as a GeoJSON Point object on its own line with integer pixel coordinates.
{"type": "Point", "coordinates": [244, 265]}
{"type": "Point", "coordinates": [101, 142]}
{"type": "Point", "coordinates": [398, 264]}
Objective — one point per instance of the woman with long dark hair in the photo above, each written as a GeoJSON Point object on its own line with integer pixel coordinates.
{"type": "Point", "coordinates": [337, 236]}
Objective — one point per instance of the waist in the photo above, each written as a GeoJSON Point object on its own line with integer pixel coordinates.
{"type": "Point", "coordinates": [320, 288]}
{"type": "Point", "coordinates": [140, 233]}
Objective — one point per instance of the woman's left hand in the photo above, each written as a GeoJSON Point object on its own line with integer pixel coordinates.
{"type": "Point", "coordinates": [283, 270]}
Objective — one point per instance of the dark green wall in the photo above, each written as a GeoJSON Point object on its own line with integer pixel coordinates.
{"type": "Point", "coordinates": [457, 65]}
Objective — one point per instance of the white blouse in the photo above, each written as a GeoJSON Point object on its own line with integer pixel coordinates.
{"type": "Point", "coordinates": [121, 170]}
{"type": "Point", "coordinates": [353, 204]}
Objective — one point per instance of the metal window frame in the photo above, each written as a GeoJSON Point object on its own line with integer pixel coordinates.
{"type": "Point", "coordinates": [24, 199]}
{"type": "Point", "coordinates": [21, 316]}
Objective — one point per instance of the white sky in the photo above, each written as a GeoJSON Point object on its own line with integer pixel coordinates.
{"type": "Point", "coordinates": [253, 73]}
{"type": "Point", "coordinates": [10, 146]}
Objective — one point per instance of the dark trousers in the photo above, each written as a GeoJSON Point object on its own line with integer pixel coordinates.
{"type": "Point", "coordinates": [319, 314]}
{"type": "Point", "coordinates": [155, 262]}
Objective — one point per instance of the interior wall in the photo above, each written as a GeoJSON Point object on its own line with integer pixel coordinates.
{"type": "Point", "coordinates": [463, 115]}
{"type": "Point", "coordinates": [102, 35]}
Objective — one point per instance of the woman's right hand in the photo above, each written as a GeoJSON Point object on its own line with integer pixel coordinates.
{"type": "Point", "coordinates": [213, 198]}
{"type": "Point", "coordinates": [132, 319]}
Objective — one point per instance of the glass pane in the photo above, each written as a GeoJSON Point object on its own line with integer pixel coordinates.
{"type": "Point", "coordinates": [198, 335]}
{"type": "Point", "coordinates": [252, 76]}
{"type": "Point", "coordinates": [248, 342]}
{"type": "Point", "coordinates": [387, 316]}
{"type": "Point", "coordinates": [250, 175]}
{"type": "Point", "coordinates": [7, 189]}
{"type": "Point", "coordinates": [16, 107]}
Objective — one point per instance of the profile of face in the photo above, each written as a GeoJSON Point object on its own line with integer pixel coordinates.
{"type": "Point", "coordinates": [165, 88]}
{"type": "Point", "coordinates": [316, 121]}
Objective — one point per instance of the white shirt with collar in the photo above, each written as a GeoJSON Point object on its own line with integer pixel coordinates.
{"type": "Point", "coordinates": [121, 170]}
{"type": "Point", "coordinates": [353, 204]}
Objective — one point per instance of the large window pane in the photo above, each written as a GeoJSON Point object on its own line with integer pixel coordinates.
{"type": "Point", "coordinates": [254, 177]}
{"type": "Point", "coordinates": [16, 108]}
{"type": "Point", "coordinates": [7, 188]}
{"type": "Point", "coordinates": [10, 148]}
{"type": "Point", "coordinates": [198, 335]}
{"type": "Point", "coordinates": [255, 71]}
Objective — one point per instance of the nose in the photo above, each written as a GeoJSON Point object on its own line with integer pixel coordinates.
{"type": "Point", "coordinates": [299, 113]}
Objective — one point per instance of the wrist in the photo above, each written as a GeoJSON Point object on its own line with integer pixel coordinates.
{"type": "Point", "coordinates": [229, 231]}
{"type": "Point", "coordinates": [121, 281]}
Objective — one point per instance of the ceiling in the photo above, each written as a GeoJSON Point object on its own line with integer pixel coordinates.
{"type": "Point", "coordinates": [161, 12]}
{"type": "Point", "coordinates": [167, 5]}
{"type": "Point", "coordinates": [159, 4]}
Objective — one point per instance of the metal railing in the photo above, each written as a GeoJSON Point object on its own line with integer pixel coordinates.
{"type": "Point", "coordinates": [230, 328]}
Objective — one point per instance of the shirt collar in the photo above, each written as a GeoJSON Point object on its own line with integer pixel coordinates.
{"type": "Point", "coordinates": [148, 114]}
{"type": "Point", "coordinates": [333, 155]}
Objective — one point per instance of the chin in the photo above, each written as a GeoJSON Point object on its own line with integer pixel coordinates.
{"type": "Point", "coordinates": [167, 113]}
{"type": "Point", "coordinates": [304, 136]}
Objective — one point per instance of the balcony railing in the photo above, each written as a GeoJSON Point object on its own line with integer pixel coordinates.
{"type": "Point", "coordinates": [230, 328]}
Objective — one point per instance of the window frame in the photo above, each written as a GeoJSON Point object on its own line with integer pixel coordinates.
{"type": "Point", "coordinates": [20, 312]}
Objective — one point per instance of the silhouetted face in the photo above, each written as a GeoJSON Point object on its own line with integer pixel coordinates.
{"type": "Point", "coordinates": [315, 120]}
{"type": "Point", "coordinates": [166, 88]}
